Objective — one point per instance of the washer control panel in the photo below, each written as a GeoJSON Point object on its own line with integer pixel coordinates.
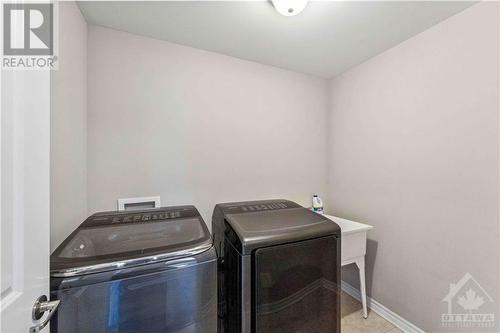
{"type": "Point", "coordinates": [143, 216]}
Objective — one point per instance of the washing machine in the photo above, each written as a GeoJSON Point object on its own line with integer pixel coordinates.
{"type": "Point", "coordinates": [278, 268]}
{"type": "Point", "coordinates": [147, 271]}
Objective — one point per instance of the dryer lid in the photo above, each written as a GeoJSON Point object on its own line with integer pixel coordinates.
{"type": "Point", "coordinates": [112, 240]}
{"type": "Point", "coordinates": [257, 229]}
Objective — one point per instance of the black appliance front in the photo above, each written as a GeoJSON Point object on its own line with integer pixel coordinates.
{"type": "Point", "coordinates": [173, 296]}
{"type": "Point", "coordinates": [294, 287]}
{"type": "Point", "coordinates": [290, 286]}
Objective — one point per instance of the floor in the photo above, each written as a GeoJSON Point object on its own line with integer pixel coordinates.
{"type": "Point", "coordinates": [353, 321]}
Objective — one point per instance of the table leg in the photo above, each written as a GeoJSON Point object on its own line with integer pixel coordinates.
{"type": "Point", "coordinates": [361, 266]}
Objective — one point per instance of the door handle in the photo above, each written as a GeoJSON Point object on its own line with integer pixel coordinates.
{"type": "Point", "coordinates": [41, 306]}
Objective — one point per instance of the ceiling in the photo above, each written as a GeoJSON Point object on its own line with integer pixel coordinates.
{"type": "Point", "coordinates": [326, 39]}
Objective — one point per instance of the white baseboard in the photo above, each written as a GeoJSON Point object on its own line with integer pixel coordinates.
{"type": "Point", "coordinates": [382, 311]}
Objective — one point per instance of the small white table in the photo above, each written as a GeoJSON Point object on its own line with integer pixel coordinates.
{"type": "Point", "coordinates": [353, 249]}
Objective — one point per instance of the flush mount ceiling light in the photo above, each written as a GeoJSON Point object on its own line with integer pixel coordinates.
{"type": "Point", "coordinates": [289, 7]}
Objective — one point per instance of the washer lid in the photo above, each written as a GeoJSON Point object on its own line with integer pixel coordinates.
{"type": "Point", "coordinates": [113, 240]}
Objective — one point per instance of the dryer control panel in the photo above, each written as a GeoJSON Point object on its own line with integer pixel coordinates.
{"type": "Point", "coordinates": [249, 207]}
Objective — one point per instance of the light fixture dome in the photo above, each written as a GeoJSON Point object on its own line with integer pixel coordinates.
{"type": "Point", "coordinates": [289, 7]}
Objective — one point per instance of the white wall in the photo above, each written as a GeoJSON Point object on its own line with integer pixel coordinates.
{"type": "Point", "coordinates": [197, 127]}
{"type": "Point", "coordinates": [68, 145]}
{"type": "Point", "coordinates": [413, 150]}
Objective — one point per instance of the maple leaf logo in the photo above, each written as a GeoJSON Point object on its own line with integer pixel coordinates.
{"type": "Point", "coordinates": [471, 301]}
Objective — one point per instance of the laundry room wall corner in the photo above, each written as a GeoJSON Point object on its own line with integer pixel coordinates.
{"type": "Point", "coordinates": [68, 135]}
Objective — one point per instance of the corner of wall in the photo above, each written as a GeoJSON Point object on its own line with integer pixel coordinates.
{"type": "Point", "coordinates": [68, 160]}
